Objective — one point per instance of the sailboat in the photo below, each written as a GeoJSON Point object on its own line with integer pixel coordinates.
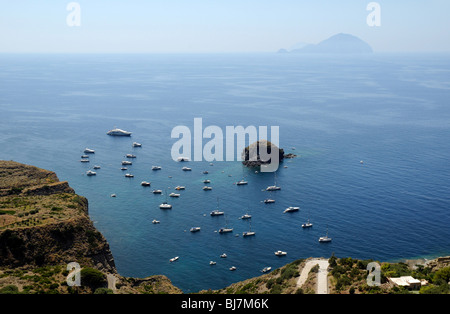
{"type": "Point", "coordinates": [242, 182]}
{"type": "Point", "coordinates": [165, 205]}
{"type": "Point", "coordinates": [226, 229]}
{"type": "Point", "coordinates": [250, 232]}
{"type": "Point", "coordinates": [274, 187]}
{"type": "Point", "coordinates": [217, 212]}
{"type": "Point", "coordinates": [325, 238]}
{"type": "Point", "coordinates": [308, 224]}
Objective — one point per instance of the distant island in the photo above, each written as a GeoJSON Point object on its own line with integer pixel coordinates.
{"type": "Point", "coordinates": [337, 44]}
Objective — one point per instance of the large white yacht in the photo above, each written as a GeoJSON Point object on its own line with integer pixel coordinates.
{"type": "Point", "coordinates": [118, 132]}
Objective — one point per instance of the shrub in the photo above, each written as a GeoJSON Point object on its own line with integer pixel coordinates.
{"type": "Point", "coordinates": [9, 289]}
{"type": "Point", "coordinates": [92, 278]}
{"type": "Point", "coordinates": [103, 291]}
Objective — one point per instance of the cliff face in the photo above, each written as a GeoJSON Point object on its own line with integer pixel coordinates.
{"type": "Point", "coordinates": [43, 222]}
{"type": "Point", "coordinates": [44, 226]}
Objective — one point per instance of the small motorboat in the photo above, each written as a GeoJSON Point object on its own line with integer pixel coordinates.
{"type": "Point", "coordinates": [233, 268]}
{"type": "Point", "coordinates": [97, 167]}
{"type": "Point", "coordinates": [242, 182]}
{"type": "Point", "coordinates": [174, 195]}
{"type": "Point", "coordinates": [195, 229]}
{"type": "Point", "coordinates": [174, 259]}
{"type": "Point", "coordinates": [157, 191]}
{"type": "Point", "coordinates": [125, 162]}
{"type": "Point", "coordinates": [266, 269]}
{"type": "Point", "coordinates": [206, 181]}
{"type": "Point", "coordinates": [291, 209]}
{"type": "Point", "coordinates": [84, 156]}
{"type": "Point", "coordinates": [280, 253]}
{"type": "Point", "coordinates": [89, 151]}
{"type": "Point", "coordinates": [216, 213]}
{"type": "Point", "coordinates": [186, 169]}
{"type": "Point", "coordinates": [269, 201]}
{"type": "Point", "coordinates": [135, 144]}
{"type": "Point", "coordinates": [113, 195]}
{"type": "Point", "coordinates": [91, 173]}
{"type": "Point", "coordinates": [246, 216]}
{"type": "Point", "coordinates": [84, 160]}
{"type": "Point", "coordinates": [156, 168]}
{"type": "Point", "coordinates": [129, 175]}
{"type": "Point", "coordinates": [124, 168]}
{"type": "Point", "coordinates": [223, 255]}
{"type": "Point", "coordinates": [178, 188]}
{"type": "Point", "coordinates": [207, 188]}
{"type": "Point", "coordinates": [212, 263]}
{"type": "Point", "coordinates": [145, 183]}
{"type": "Point", "coordinates": [165, 206]}
{"type": "Point", "coordinates": [130, 156]}
{"type": "Point", "coordinates": [154, 221]}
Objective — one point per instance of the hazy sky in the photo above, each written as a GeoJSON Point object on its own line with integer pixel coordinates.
{"type": "Point", "coordinates": [218, 25]}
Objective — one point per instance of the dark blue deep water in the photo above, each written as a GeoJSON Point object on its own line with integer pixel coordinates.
{"type": "Point", "coordinates": [390, 111]}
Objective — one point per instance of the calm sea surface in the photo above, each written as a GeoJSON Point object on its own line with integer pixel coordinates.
{"type": "Point", "coordinates": [390, 111]}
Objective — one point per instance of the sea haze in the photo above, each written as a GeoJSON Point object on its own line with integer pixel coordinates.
{"type": "Point", "coordinates": [389, 111]}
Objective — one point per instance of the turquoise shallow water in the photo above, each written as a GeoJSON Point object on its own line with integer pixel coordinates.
{"type": "Point", "coordinates": [391, 111]}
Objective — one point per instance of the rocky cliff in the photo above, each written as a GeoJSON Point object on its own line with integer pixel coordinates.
{"type": "Point", "coordinates": [45, 225]}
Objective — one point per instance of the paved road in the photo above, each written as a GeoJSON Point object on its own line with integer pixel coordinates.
{"type": "Point", "coordinates": [322, 276]}
{"type": "Point", "coordinates": [111, 282]}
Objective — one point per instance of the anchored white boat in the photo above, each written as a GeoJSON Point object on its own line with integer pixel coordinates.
{"type": "Point", "coordinates": [291, 209]}
{"type": "Point", "coordinates": [266, 269]}
{"type": "Point", "coordinates": [174, 259]}
{"type": "Point", "coordinates": [212, 263]}
{"type": "Point", "coordinates": [84, 160]}
{"type": "Point", "coordinates": [129, 175]}
{"type": "Point", "coordinates": [241, 182]}
{"type": "Point", "coordinates": [174, 195]}
{"type": "Point", "coordinates": [223, 255]}
{"type": "Point", "coordinates": [186, 169]}
{"type": "Point", "coordinates": [217, 212]}
{"type": "Point", "coordinates": [195, 229]}
{"type": "Point", "coordinates": [145, 183]}
{"type": "Point", "coordinates": [233, 268]}
{"type": "Point", "coordinates": [156, 167]}
{"type": "Point", "coordinates": [207, 188]}
{"type": "Point", "coordinates": [178, 188]}
{"type": "Point", "coordinates": [135, 144]}
{"type": "Point", "coordinates": [280, 253]}
{"type": "Point", "coordinates": [165, 205]}
{"type": "Point", "coordinates": [130, 156]}
{"type": "Point", "coordinates": [308, 224]}
{"type": "Point", "coordinates": [91, 173]}
{"type": "Point", "coordinates": [89, 151]}
{"type": "Point", "coordinates": [154, 221]}
{"type": "Point", "coordinates": [206, 181]}
{"type": "Point", "coordinates": [126, 162]}
{"type": "Point", "coordinates": [246, 216]}
{"type": "Point", "coordinates": [97, 167]}
{"type": "Point", "coordinates": [118, 132]}
{"type": "Point", "coordinates": [325, 238]}
{"type": "Point", "coordinates": [157, 191]}
{"type": "Point", "coordinates": [269, 201]}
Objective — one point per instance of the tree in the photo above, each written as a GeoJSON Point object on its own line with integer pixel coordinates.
{"type": "Point", "coordinates": [92, 278]}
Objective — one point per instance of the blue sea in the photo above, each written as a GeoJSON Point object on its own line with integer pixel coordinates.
{"type": "Point", "coordinates": [390, 111]}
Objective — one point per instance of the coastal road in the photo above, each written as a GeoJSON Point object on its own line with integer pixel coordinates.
{"type": "Point", "coordinates": [111, 282]}
{"type": "Point", "coordinates": [322, 275]}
